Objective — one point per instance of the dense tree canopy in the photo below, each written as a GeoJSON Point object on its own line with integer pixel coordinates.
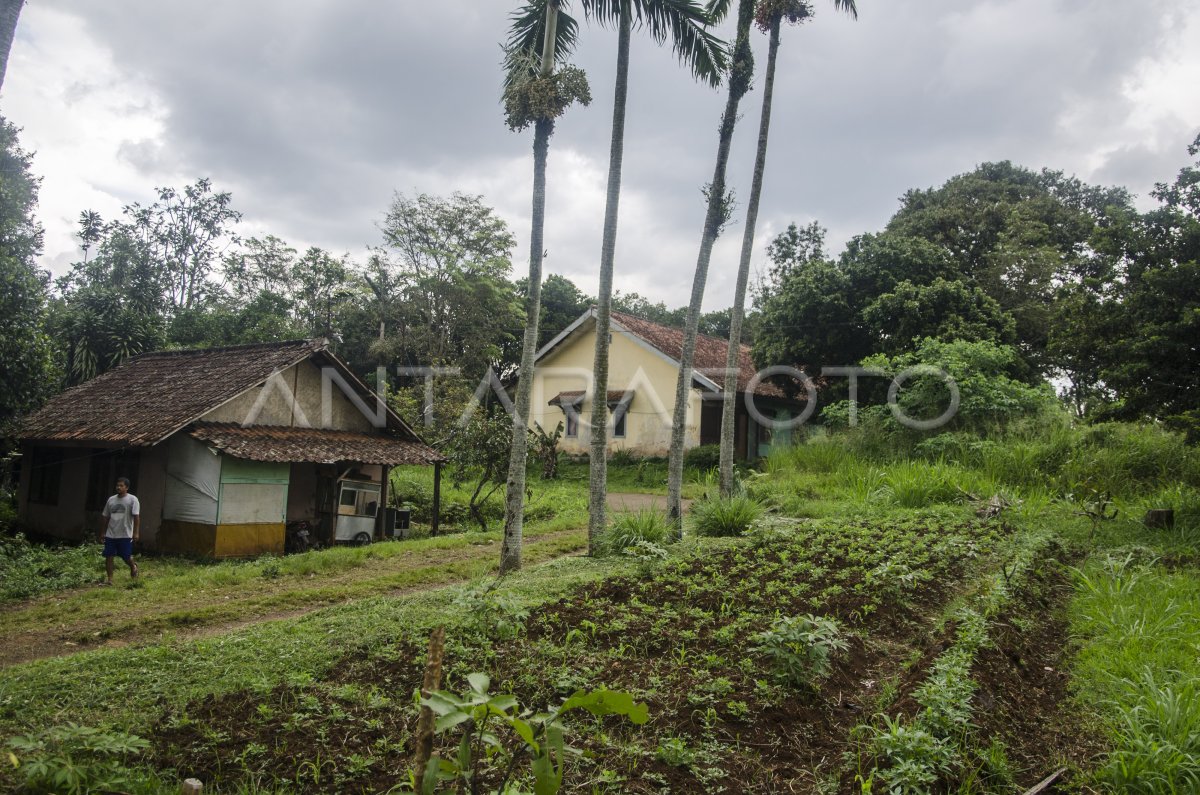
{"type": "Point", "coordinates": [27, 367]}
{"type": "Point", "coordinates": [989, 255]}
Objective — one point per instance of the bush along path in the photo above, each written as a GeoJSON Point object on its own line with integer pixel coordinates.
{"type": "Point", "coordinates": [756, 659]}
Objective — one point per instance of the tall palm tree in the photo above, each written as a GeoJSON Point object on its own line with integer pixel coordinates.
{"type": "Point", "coordinates": [10, 11]}
{"type": "Point", "coordinates": [741, 71]}
{"type": "Point", "coordinates": [769, 17]}
{"type": "Point", "coordinates": [534, 95]}
{"type": "Point", "coordinates": [686, 22]}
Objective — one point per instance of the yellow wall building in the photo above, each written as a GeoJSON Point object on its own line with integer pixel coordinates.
{"type": "Point", "coordinates": [643, 371]}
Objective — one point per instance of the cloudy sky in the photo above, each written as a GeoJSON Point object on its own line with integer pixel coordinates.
{"type": "Point", "coordinates": [314, 113]}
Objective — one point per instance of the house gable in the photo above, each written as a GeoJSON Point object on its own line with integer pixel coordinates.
{"type": "Point", "coordinates": [296, 397]}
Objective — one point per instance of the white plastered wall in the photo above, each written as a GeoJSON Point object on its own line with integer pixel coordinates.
{"type": "Point", "coordinates": [299, 396]}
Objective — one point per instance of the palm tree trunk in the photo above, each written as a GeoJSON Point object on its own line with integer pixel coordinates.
{"type": "Point", "coordinates": [740, 74]}
{"type": "Point", "coordinates": [514, 502]}
{"type": "Point", "coordinates": [598, 472]}
{"type": "Point", "coordinates": [733, 358]}
{"type": "Point", "coordinates": [10, 11]}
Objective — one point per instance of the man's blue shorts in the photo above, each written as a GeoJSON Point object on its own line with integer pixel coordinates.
{"type": "Point", "coordinates": [118, 548]}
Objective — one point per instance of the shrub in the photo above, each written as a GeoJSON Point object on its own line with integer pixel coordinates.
{"type": "Point", "coordinates": [632, 530]}
{"type": "Point", "coordinates": [800, 647]}
{"type": "Point", "coordinates": [915, 758]}
{"type": "Point", "coordinates": [74, 758]}
{"type": "Point", "coordinates": [27, 569]}
{"type": "Point", "coordinates": [494, 614]}
{"type": "Point", "coordinates": [731, 517]}
{"type": "Point", "coordinates": [706, 456]}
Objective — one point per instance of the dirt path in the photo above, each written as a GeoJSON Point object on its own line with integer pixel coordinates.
{"type": "Point", "coordinates": [96, 617]}
{"type": "Point", "coordinates": [70, 622]}
{"type": "Point", "coordinates": [631, 502]}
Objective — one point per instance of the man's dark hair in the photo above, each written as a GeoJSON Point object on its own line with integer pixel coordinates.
{"type": "Point", "coordinates": [124, 480]}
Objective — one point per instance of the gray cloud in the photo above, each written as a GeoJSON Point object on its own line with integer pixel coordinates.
{"type": "Point", "coordinates": [314, 113]}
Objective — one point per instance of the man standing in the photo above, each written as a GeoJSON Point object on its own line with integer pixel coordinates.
{"type": "Point", "coordinates": [123, 515]}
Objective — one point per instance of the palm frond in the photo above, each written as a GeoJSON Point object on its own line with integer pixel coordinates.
{"type": "Point", "coordinates": [528, 31]}
{"type": "Point", "coordinates": [848, 6]}
{"type": "Point", "coordinates": [686, 23]}
{"type": "Point", "coordinates": [717, 10]}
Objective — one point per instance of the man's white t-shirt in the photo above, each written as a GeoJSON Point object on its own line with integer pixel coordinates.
{"type": "Point", "coordinates": [120, 512]}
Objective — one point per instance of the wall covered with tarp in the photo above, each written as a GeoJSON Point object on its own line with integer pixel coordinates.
{"type": "Point", "coordinates": [193, 481]}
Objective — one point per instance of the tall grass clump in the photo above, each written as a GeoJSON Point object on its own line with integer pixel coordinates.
{"type": "Point", "coordinates": [28, 569]}
{"type": "Point", "coordinates": [731, 517]}
{"type": "Point", "coordinates": [824, 455]}
{"type": "Point", "coordinates": [1127, 459]}
{"type": "Point", "coordinates": [919, 484]}
{"type": "Point", "coordinates": [632, 530]}
{"type": "Point", "coordinates": [1140, 627]}
{"type": "Point", "coordinates": [1158, 739]}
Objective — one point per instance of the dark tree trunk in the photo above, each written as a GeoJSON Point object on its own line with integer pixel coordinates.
{"type": "Point", "coordinates": [739, 82]}
{"type": "Point", "coordinates": [733, 358]}
{"type": "Point", "coordinates": [10, 11]}
{"type": "Point", "coordinates": [514, 501]}
{"type": "Point", "coordinates": [598, 472]}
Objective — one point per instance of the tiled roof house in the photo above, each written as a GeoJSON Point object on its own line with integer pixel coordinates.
{"type": "Point", "coordinates": [644, 361]}
{"type": "Point", "coordinates": [224, 446]}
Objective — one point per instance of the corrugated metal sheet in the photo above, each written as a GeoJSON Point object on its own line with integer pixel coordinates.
{"type": "Point", "coordinates": [311, 445]}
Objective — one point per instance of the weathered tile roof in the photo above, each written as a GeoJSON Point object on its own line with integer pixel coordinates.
{"type": "Point", "coordinates": [710, 353]}
{"type": "Point", "coordinates": [311, 445]}
{"type": "Point", "coordinates": [151, 396]}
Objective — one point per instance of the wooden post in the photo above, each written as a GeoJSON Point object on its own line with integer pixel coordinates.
{"type": "Point", "coordinates": [381, 514]}
{"type": "Point", "coordinates": [433, 681]}
{"type": "Point", "coordinates": [437, 499]}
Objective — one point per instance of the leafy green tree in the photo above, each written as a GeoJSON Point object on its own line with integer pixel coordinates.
{"type": "Point", "coordinates": [741, 72]}
{"type": "Point", "coordinates": [28, 372]}
{"type": "Point", "coordinates": [769, 17]}
{"type": "Point", "coordinates": [1035, 245]}
{"type": "Point", "coordinates": [534, 95]}
{"type": "Point", "coordinates": [441, 282]}
{"type": "Point", "coordinates": [943, 309]}
{"type": "Point", "coordinates": [632, 303]}
{"type": "Point", "coordinates": [562, 304]}
{"type": "Point", "coordinates": [1148, 334]}
{"type": "Point", "coordinates": [1018, 235]}
{"type": "Point", "coordinates": [478, 451]}
{"type": "Point", "coordinates": [809, 320]}
{"type": "Point", "coordinates": [260, 265]}
{"type": "Point", "coordinates": [326, 288]}
{"type": "Point", "coordinates": [185, 233]}
{"type": "Point", "coordinates": [110, 307]}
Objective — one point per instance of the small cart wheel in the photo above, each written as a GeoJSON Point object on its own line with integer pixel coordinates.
{"type": "Point", "coordinates": [362, 539]}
